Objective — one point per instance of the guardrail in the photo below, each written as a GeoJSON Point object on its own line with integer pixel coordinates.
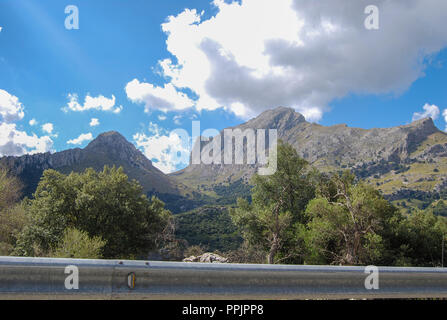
{"type": "Point", "coordinates": [48, 278]}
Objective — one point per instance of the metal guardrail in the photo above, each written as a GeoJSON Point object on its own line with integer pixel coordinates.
{"type": "Point", "coordinates": [46, 278]}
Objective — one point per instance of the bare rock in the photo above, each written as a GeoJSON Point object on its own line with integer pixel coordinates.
{"type": "Point", "coordinates": [207, 257]}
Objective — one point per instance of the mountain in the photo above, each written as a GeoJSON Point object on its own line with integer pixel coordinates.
{"type": "Point", "coordinates": [403, 162]}
{"type": "Point", "coordinates": [407, 163]}
{"type": "Point", "coordinates": [109, 148]}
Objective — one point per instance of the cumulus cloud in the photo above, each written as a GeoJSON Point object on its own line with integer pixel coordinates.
{"type": "Point", "coordinates": [164, 98]}
{"type": "Point", "coordinates": [94, 122]}
{"type": "Point", "coordinates": [11, 109]}
{"type": "Point", "coordinates": [430, 110]}
{"type": "Point", "coordinates": [100, 103]}
{"type": "Point", "coordinates": [48, 128]}
{"type": "Point", "coordinates": [81, 139]}
{"type": "Point", "coordinates": [167, 150]}
{"type": "Point", "coordinates": [13, 141]}
{"type": "Point", "coordinates": [257, 54]}
{"type": "Point", "coordinates": [32, 122]}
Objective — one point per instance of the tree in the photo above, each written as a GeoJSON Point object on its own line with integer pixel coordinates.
{"type": "Point", "coordinates": [12, 216]}
{"type": "Point", "coordinates": [440, 209]}
{"type": "Point", "coordinates": [10, 188]}
{"type": "Point", "coordinates": [276, 213]}
{"type": "Point", "coordinates": [103, 204]}
{"type": "Point", "coordinates": [349, 223]}
{"type": "Point", "coordinates": [422, 234]}
{"type": "Point", "coordinates": [77, 244]}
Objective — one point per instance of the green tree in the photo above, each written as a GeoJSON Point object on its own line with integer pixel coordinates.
{"type": "Point", "coordinates": [349, 223]}
{"type": "Point", "coordinates": [10, 188]}
{"type": "Point", "coordinates": [276, 213]}
{"type": "Point", "coordinates": [103, 204]}
{"type": "Point", "coordinates": [440, 209]}
{"type": "Point", "coordinates": [77, 244]}
{"type": "Point", "coordinates": [422, 234]}
{"type": "Point", "coordinates": [12, 214]}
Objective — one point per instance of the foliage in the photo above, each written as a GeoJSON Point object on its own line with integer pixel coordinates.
{"type": "Point", "coordinates": [103, 204]}
{"type": "Point", "coordinates": [180, 204]}
{"type": "Point", "coordinates": [10, 188]}
{"type": "Point", "coordinates": [78, 244]}
{"type": "Point", "coordinates": [440, 209]}
{"type": "Point", "coordinates": [12, 221]}
{"type": "Point", "coordinates": [12, 214]}
{"type": "Point", "coordinates": [349, 223]}
{"type": "Point", "coordinates": [209, 227]}
{"type": "Point", "coordinates": [246, 253]}
{"type": "Point", "coordinates": [230, 193]}
{"type": "Point", "coordinates": [275, 216]}
{"type": "Point", "coordinates": [194, 251]}
{"type": "Point", "coordinates": [422, 235]}
{"type": "Point", "coordinates": [226, 195]}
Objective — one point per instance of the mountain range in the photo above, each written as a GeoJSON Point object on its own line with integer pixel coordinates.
{"type": "Point", "coordinates": [407, 162]}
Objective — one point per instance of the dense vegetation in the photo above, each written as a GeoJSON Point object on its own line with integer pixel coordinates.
{"type": "Point", "coordinates": [301, 216]}
{"type": "Point", "coordinates": [12, 213]}
{"type": "Point", "coordinates": [209, 227]}
{"type": "Point", "coordinates": [225, 195]}
{"type": "Point", "coordinates": [89, 214]}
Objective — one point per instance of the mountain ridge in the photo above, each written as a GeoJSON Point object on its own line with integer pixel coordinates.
{"type": "Point", "coordinates": [108, 148]}
{"type": "Point", "coordinates": [378, 155]}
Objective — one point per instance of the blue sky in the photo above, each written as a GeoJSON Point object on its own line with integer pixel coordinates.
{"type": "Point", "coordinates": [148, 67]}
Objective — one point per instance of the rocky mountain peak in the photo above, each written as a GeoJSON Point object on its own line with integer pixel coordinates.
{"type": "Point", "coordinates": [109, 139]}
{"type": "Point", "coordinates": [281, 118]}
{"type": "Point", "coordinates": [109, 148]}
{"type": "Point", "coordinates": [425, 125]}
{"type": "Point", "coordinates": [115, 145]}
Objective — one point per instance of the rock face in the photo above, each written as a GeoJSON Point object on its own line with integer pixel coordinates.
{"type": "Point", "coordinates": [208, 257]}
{"type": "Point", "coordinates": [372, 154]}
{"type": "Point", "coordinates": [109, 148]}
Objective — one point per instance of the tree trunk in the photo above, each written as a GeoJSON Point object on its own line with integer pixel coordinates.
{"type": "Point", "coordinates": [271, 256]}
{"type": "Point", "coordinates": [273, 250]}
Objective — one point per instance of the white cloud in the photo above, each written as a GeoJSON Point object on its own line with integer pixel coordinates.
{"type": "Point", "coordinates": [430, 110]}
{"type": "Point", "coordinates": [162, 117]}
{"type": "Point", "coordinates": [48, 128]}
{"type": "Point", "coordinates": [444, 114]}
{"type": "Point", "coordinates": [14, 142]}
{"type": "Point", "coordinates": [94, 122]}
{"type": "Point", "coordinates": [11, 109]}
{"type": "Point", "coordinates": [117, 109]}
{"type": "Point", "coordinates": [1, 28]}
{"type": "Point", "coordinates": [259, 54]}
{"type": "Point", "coordinates": [176, 119]}
{"type": "Point", "coordinates": [100, 103]}
{"type": "Point", "coordinates": [161, 98]}
{"type": "Point", "coordinates": [81, 139]}
{"type": "Point", "coordinates": [32, 122]}
{"type": "Point", "coordinates": [167, 150]}
{"type": "Point", "coordinates": [311, 114]}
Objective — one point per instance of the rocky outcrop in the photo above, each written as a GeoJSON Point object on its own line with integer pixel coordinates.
{"type": "Point", "coordinates": [208, 257]}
